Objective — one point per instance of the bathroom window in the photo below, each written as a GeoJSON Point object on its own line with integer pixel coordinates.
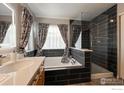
{"type": "Point", "coordinates": [10, 38]}
{"type": "Point", "coordinates": [78, 43]}
{"type": "Point", "coordinates": [54, 39]}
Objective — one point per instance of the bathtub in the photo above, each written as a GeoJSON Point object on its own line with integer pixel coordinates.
{"type": "Point", "coordinates": [57, 73]}
{"type": "Point", "coordinates": [54, 63]}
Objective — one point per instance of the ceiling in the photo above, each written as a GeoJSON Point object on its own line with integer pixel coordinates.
{"type": "Point", "coordinates": [5, 10]}
{"type": "Point", "coordinates": [68, 10]}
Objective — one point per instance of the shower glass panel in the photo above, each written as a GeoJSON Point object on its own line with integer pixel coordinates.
{"type": "Point", "coordinates": [76, 32]}
{"type": "Point", "coordinates": [99, 39]}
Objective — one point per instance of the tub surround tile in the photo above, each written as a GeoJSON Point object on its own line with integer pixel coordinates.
{"type": "Point", "coordinates": [31, 53]}
{"type": "Point", "coordinates": [52, 52]}
{"type": "Point", "coordinates": [79, 80]}
{"type": "Point", "coordinates": [69, 77]}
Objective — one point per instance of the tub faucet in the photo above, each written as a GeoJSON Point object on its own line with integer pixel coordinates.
{"type": "Point", "coordinates": [73, 61]}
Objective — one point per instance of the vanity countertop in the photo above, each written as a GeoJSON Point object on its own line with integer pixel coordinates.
{"type": "Point", "coordinates": [24, 75]}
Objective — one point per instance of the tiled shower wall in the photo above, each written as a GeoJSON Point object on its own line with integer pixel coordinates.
{"type": "Point", "coordinates": [85, 34]}
{"type": "Point", "coordinates": [75, 29]}
{"type": "Point", "coordinates": [104, 39]}
{"type": "Point", "coordinates": [77, 26]}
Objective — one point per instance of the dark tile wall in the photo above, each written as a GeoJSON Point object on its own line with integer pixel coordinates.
{"type": "Point", "coordinates": [72, 75]}
{"type": "Point", "coordinates": [67, 76]}
{"type": "Point", "coordinates": [86, 39]}
{"type": "Point", "coordinates": [31, 53]}
{"type": "Point", "coordinates": [46, 52]}
{"type": "Point", "coordinates": [52, 52]}
{"type": "Point", "coordinates": [77, 26]}
{"type": "Point", "coordinates": [85, 34]}
{"type": "Point", "coordinates": [78, 55]}
{"type": "Point", "coordinates": [112, 40]}
{"type": "Point", "coordinates": [104, 39]}
{"type": "Point", "coordinates": [75, 29]}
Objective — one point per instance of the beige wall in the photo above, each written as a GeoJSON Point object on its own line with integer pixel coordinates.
{"type": "Point", "coordinates": [120, 11]}
{"type": "Point", "coordinates": [52, 20]}
{"type": "Point", "coordinates": [120, 8]}
{"type": "Point", "coordinates": [5, 18]}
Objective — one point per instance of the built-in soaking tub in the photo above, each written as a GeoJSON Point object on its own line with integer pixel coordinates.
{"type": "Point", "coordinates": [54, 63]}
{"type": "Point", "coordinates": [58, 73]}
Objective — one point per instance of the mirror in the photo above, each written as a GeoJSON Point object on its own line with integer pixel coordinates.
{"type": "Point", "coordinates": [7, 32]}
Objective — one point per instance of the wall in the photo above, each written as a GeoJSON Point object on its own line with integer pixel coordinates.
{"type": "Point", "coordinates": [104, 39]}
{"type": "Point", "coordinates": [77, 26]}
{"type": "Point", "coordinates": [52, 20]}
{"type": "Point", "coordinates": [85, 35]}
{"type": "Point", "coordinates": [75, 29]}
{"type": "Point", "coordinates": [120, 38]}
{"type": "Point", "coordinates": [5, 18]}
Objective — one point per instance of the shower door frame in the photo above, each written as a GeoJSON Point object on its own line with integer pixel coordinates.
{"type": "Point", "coordinates": [120, 44]}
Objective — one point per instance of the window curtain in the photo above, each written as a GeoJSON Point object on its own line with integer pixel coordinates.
{"type": "Point", "coordinates": [3, 29]}
{"type": "Point", "coordinates": [26, 23]}
{"type": "Point", "coordinates": [42, 34]}
{"type": "Point", "coordinates": [54, 39]}
{"type": "Point", "coordinates": [76, 30]}
{"type": "Point", "coordinates": [64, 33]}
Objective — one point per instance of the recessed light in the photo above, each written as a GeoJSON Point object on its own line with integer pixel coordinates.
{"type": "Point", "coordinates": [111, 20]}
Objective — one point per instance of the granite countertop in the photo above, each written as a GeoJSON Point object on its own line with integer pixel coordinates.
{"type": "Point", "coordinates": [23, 75]}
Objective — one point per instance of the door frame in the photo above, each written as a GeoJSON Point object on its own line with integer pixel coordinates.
{"type": "Point", "coordinates": [119, 42]}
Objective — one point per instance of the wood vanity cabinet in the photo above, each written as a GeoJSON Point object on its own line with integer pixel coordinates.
{"type": "Point", "coordinates": [39, 77]}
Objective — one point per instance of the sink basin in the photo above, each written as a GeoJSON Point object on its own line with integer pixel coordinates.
{"type": "Point", "coordinates": [13, 67]}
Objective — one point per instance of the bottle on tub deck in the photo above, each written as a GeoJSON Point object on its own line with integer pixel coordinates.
{"type": "Point", "coordinates": [13, 56]}
{"type": "Point", "coordinates": [20, 55]}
